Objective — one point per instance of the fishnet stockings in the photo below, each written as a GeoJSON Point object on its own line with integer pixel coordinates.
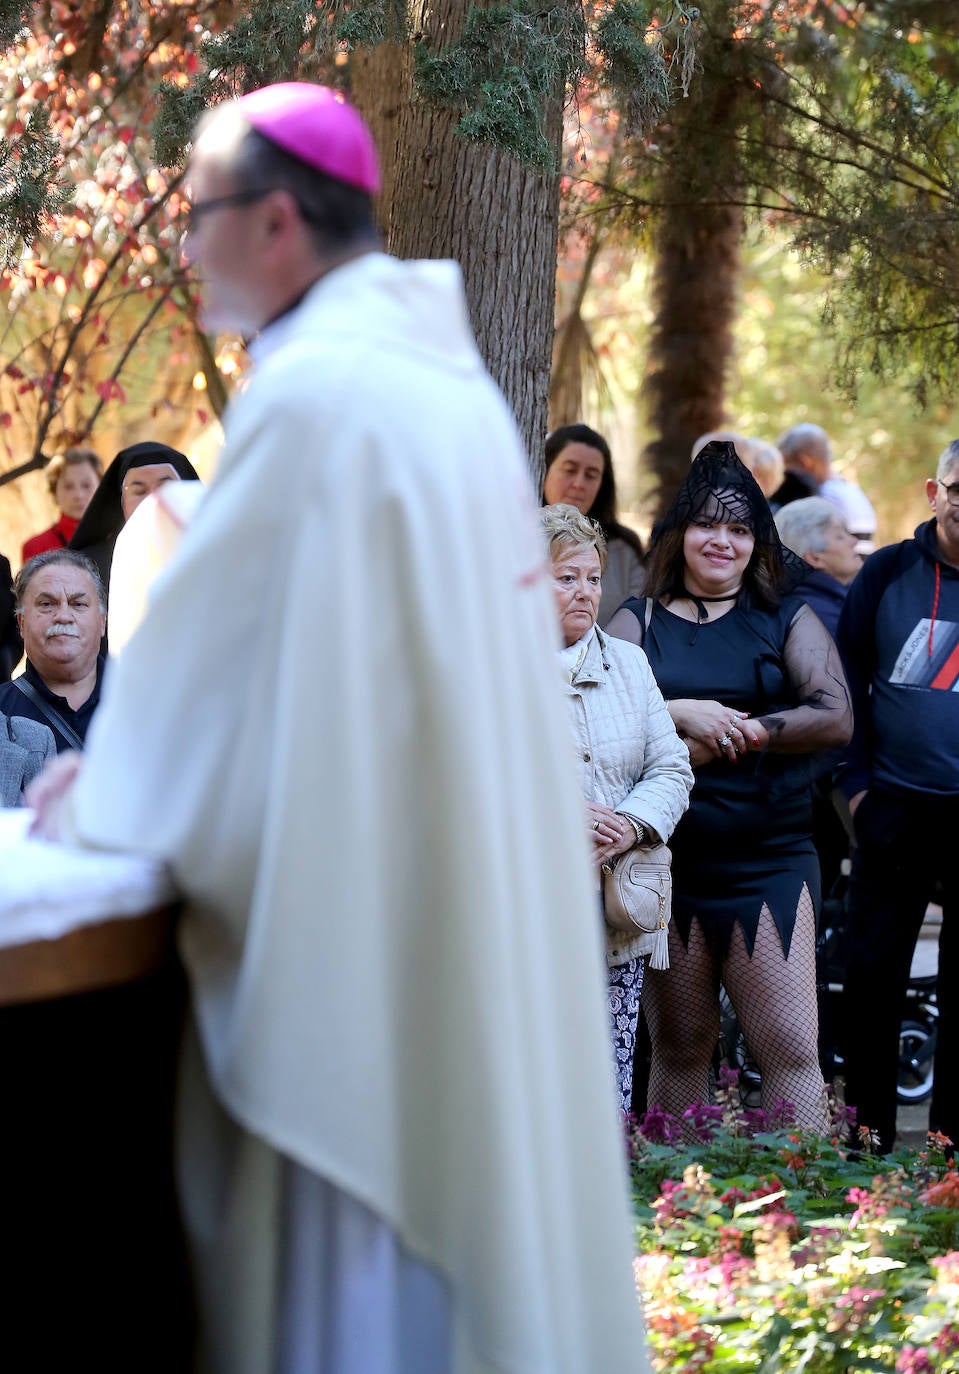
{"type": "Point", "coordinates": [774, 998]}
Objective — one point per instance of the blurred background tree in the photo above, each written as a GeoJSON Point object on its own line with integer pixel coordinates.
{"type": "Point", "coordinates": [466, 101]}
{"type": "Point", "coordinates": [100, 340]}
{"type": "Point", "coordinates": [756, 206]}
{"type": "Point", "coordinates": [829, 127]}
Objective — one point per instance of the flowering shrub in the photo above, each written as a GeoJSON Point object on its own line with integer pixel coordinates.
{"type": "Point", "coordinates": [765, 1247]}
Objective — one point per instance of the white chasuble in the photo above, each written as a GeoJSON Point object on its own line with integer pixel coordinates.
{"type": "Point", "coordinates": [341, 725]}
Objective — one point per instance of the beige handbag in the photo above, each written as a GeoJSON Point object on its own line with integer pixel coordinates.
{"type": "Point", "coordinates": [637, 898]}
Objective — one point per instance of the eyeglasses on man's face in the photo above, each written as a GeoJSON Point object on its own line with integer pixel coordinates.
{"type": "Point", "coordinates": [194, 213]}
{"type": "Point", "coordinates": [952, 491]}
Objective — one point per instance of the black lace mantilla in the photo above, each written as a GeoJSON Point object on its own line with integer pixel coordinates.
{"type": "Point", "coordinates": [720, 487]}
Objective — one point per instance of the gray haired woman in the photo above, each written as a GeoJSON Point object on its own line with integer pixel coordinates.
{"type": "Point", "coordinates": [814, 528]}
{"type": "Point", "coordinates": [634, 769]}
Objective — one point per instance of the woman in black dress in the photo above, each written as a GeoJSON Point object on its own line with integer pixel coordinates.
{"type": "Point", "coordinates": [755, 687]}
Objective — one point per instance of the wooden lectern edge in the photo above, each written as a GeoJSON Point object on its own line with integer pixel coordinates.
{"type": "Point", "coordinates": [94, 956]}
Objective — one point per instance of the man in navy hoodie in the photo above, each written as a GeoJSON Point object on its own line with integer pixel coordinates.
{"type": "Point", "coordinates": [899, 638]}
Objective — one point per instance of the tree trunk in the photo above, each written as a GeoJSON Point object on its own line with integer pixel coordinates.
{"type": "Point", "coordinates": [697, 243]}
{"type": "Point", "coordinates": [446, 198]}
{"type": "Point", "coordinates": [695, 291]}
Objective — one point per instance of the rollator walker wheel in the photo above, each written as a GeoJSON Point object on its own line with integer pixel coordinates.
{"type": "Point", "coordinates": [916, 1052]}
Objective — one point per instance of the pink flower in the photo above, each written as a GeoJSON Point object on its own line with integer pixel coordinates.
{"type": "Point", "coordinates": [858, 1298]}
{"type": "Point", "coordinates": [704, 1117]}
{"type": "Point", "coordinates": [947, 1267]}
{"type": "Point", "coordinates": [783, 1113]}
{"type": "Point", "coordinates": [728, 1076]}
{"type": "Point", "coordinates": [672, 1203]}
{"type": "Point", "coordinates": [732, 1196]}
{"type": "Point", "coordinates": [947, 1340]}
{"type": "Point", "coordinates": [755, 1121]}
{"type": "Point", "coordinates": [914, 1360]}
{"type": "Point", "coordinates": [659, 1127]}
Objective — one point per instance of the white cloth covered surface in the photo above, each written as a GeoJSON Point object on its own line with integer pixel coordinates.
{"type": "Point", "coordinates": [50, 889]}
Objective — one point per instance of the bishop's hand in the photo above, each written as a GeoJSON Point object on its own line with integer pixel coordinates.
{"type": "Point", "coordinates": [46, 793]}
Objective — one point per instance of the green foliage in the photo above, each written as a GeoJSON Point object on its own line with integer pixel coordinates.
{"type": "Point", "coordinates": [501, 70]}
{"type": "Point", "coordinates": [178, 110]}
{"type": "Point", "coordinates": [13, 19]}
{"type": "Point", "coordinates": [864, 167]}
{"type": "Point", "coordinates": [266, 42]}
{"type": "Point", "coordinates": [778, 1250]}
{"type": "Point", "coordinates": [836, 127]}
{"type": "Point", "coordinates": [272, 40]}
{"type": "Point", "coordinates": [786, 372]}
{"type": "Point", "coordinates": [636, 61]}
{"type": "Point", "coordinates": [512, 56]}
{"type": "Point", "coordinates": [372, 22]}
{"type": "Point", "coordinates": [30, 185]}
{"type": "Point", "coordinates": [849, 136]}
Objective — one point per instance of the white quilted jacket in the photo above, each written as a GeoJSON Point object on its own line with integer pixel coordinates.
{"type": "Point", "coordinates": [630, 757]}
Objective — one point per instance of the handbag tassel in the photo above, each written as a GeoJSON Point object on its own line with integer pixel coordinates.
{"type": "Point", "coordinates": [659, 956]}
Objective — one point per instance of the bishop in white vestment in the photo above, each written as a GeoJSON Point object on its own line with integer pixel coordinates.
{"type": "Point", "coordinates": [342, 728]}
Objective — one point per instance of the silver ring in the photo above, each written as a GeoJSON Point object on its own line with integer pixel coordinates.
{"type": "Point", "coordinates": [595, 825]}
{"type": "Point", "coordinates": [726, 739]}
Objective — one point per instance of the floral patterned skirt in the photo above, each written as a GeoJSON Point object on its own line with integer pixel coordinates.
{"type": "Point", "coordinates": [624, 986]}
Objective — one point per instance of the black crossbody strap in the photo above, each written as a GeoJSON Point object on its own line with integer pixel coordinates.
{"type": "Point", "coordinates": [51, 713]}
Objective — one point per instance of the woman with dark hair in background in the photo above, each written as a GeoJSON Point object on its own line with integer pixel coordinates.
{"type": "Point", "coordinates": [754, 685]}
{"type": "Point", "coordinates": [579, 472]}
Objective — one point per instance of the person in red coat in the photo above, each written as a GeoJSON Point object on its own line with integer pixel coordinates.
{"type": "Point", "coordinates": [72, 477]}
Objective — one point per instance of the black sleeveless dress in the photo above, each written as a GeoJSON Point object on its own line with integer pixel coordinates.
{"type": "Point", "coordinates": [745, 841]}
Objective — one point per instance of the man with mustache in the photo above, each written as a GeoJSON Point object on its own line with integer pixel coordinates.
{"type": "Point", "coordinates": [61, 612]}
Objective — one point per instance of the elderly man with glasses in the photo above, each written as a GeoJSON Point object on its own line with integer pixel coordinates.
{"type": "Point", "coordinates": [899, 636]}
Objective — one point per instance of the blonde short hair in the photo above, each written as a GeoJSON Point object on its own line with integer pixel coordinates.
{"type": "Point", "coordinates": [70, 458]}
{"type": "Point", "coordinates": [565, 525]}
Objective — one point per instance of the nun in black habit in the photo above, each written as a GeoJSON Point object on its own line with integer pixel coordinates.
{"type": "Point", "coordinates": [119, 494]}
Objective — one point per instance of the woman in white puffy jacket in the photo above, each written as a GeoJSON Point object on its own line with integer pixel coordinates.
{"type": "Point", "coordinates": [634, 768]}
